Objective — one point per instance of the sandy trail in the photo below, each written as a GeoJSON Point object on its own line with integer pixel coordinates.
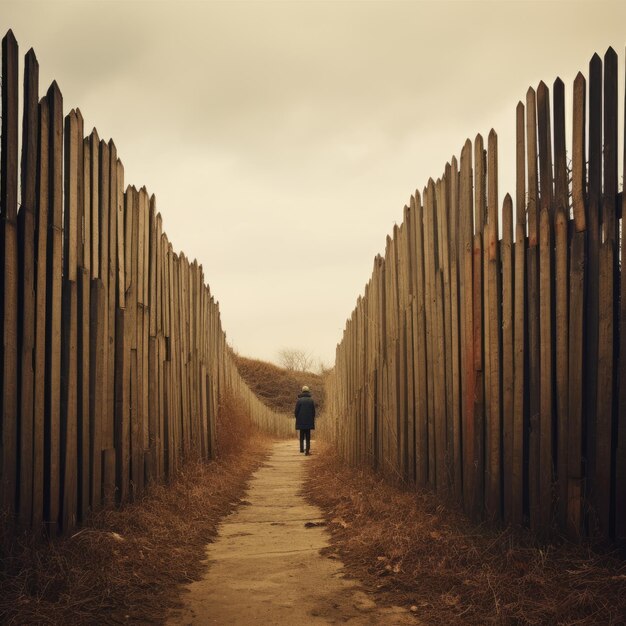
{"type": "Point", "coordinates": [265, 564]}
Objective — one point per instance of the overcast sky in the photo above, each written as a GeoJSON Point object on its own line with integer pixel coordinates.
{"type": "Point", "coordinates": [282, 139]}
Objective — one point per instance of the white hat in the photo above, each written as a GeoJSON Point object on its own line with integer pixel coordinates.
{"type": "Point", "coordinates": [305, 388]}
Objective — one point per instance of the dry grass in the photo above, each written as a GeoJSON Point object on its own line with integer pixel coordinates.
{"type": "Point", "coordinates": [413, 551]}
{"type": "Point", "coordinates": [128, 565]}
{"type": "Point", "coordinates": [278, 388]}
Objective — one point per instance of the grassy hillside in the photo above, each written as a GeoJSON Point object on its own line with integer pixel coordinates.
{"type": "Point", "coordinates": [278, 387]}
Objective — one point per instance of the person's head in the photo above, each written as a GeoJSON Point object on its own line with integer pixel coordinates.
{"type": "Point", "coordinates": [305, 389]}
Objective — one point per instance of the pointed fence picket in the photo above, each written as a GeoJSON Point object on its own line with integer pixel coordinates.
{"type": "Point", "coordinates": [517, 405]}
{"type": "Point", "coordinates": [113, 360]}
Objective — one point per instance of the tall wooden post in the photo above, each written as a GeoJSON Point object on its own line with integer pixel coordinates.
{"type": "Point", "coordinates": [8, 275]}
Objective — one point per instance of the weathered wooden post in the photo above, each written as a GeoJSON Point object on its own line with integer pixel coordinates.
{"type": "Point", "coordinates": [26, 289]}
{"type": "Point", "coordinates": [9, 276]}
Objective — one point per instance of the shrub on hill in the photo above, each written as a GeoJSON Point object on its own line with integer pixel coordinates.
{"type": "Point", "coordinates": [277, 387]}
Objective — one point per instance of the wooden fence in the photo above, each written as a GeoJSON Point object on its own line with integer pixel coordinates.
{"type": "Point", "coordinates": [113, 358]}
{"type": "Point", "coordinates": [483, 358]}
{"type": "Point", "coordinates": [269, 421]}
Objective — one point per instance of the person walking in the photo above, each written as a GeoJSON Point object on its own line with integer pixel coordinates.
{"type": "Point", "coordinates": [305, 418]}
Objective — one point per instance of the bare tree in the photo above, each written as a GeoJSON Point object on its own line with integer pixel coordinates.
{"type": "Point", "coordinates": [322, 368]}
{"type": "Point", "coordinates": [295, 360]}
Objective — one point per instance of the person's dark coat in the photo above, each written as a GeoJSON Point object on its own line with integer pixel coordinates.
{"type": "Point", "coordinates": [305, 411]}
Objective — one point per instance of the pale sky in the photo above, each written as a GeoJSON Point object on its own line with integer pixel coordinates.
{"type": "Point", "coordinates": [282, 139]}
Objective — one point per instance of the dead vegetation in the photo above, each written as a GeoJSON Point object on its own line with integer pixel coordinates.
{"type": "Point", "coordinates": [128, 565]}
{"type": "Point", "coordinates": [413, 551]}
{"type": "Point", "coordinates": [277, 387]}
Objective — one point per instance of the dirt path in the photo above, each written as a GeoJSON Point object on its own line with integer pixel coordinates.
{"type": "Point", "coordinates": [266, 567]}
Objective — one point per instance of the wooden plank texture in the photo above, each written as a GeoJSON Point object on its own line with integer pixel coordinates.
{"type": "Point", "coordinates": [520, 166]}
{"type": "Point", "coordinates": [26, 288]}
{"type": "Point", "coordinates": [53, 307]}
{"type": "Point", "coordinates": [455, 370]}
{"type": "Point", "coordinates": [576, 385]}
{"type": "Point", "coordinates": [421, 385]}
{"type": "Point", "coordinates": [562, 359]}
{"type": "Point", "coordinates": [579, 158]}
{"type": "Point", "coordinates": [69, 330]}
{"type": "Point", "coordinates": [122, 404]}
{"type": "Point", "coordinates": [111, 257]}
{"type": "Point", "coordinates": [9, 275]}
{"type": "Point", "coordinates": [41, 255]}
{"type": "Point", "coordinates": [94, 202]}
{"type": "Point", "coordinates": [493, 443]}
{"type": "Point", "coordinates": [467, 324]}
{"type": "Point", "coordinates": [483, 359]}
{"type": "Point", "coordinates": [83, 415]}
{"type": "Point", "coordinates": [69, 407]}
{"type": "Point", "coordinates": [120, 259]}
{"type": "Point", "coordinates": [531, 168]}
{"type": "Point", "coordinates": [493, 349]}
{"type": "Point", "coordinates": [478, 396]}
{"type": "Point", "coordinates": [520, 379]}
{"type": "Point", "coordinates": [620, 450]}
{"type": "Point", "coordinates": [604, 415]}
{"type": "Point", "coordinates": [532, 259]}
{"type": "Point", "coordinates": [546, 364]}
{"type": "Point", "coordinates": [592, 313]}
{"type": "Point", "coordinates": [96, 388]}
{"type": "Point", "coordinates": [507, 355]}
